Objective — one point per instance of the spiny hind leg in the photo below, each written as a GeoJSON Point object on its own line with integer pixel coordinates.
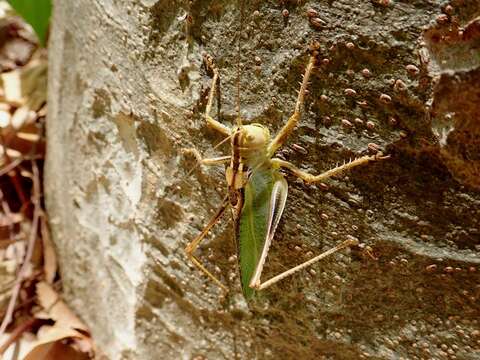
{"type": "Point", "coordinates": [206, 161]}
{"type": "Point", "coordinates": [309, 178]}
{"type": "Point", "coordinates": [210, 121]}
{"type": "Point", "coordinates": [283, 275]}
{"type": "Point", "coordinates": [314, 178]}
{"type": "Point", "coordinates": [193, 245]}
{"type": "Point", "coordinates": [288, 128]}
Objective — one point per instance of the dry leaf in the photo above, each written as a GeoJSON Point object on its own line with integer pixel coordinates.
{"type": "Point", "coordinates": [49, 257]}
{"type": "Point", "coordinates": [34, 81]}
{"type": "Point", "coordinates": [66, 324]}
{"type": "Point", "coordinates": [12, 87]}
{"type": "Point", "coordinates": [49, 299]}
{"type": "Point", "coordinates": [55, 351]}
{"type": "Point", "coordinates": [42, 111]}
{"type": "Point", "coordinates": [13, 154]}
{"type": "Point", "coordinates": [23, 115]}
{"type": "Point", "coordinates": [47, 334]}
{"type": "Point", "coordinates": [28, 136]}
{"type": "Point", "coordinates": [10, 219]}
{"type": "Point", "coordinates": [47, 296]}
{"type": "Point", "coordinates": [7, 224]}
{"type": "Point", "coordinates": [4, 118]}
{"type": "Point", "coordinates": [42, 314]}
{"type": "Point", "coordinates": [15, 251]}
{"type": "Point", "coordinates": [84, 344]}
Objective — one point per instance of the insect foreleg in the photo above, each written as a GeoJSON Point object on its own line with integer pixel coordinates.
{"type": "Point", "coordinates": [206, 161]}
{"type": "Point", "coordinates": [288, 128]}
{"type": "Point", "coordinates": [192, 246]}
{"type": "Point", "coordinates": [210, 121]}
{"type": "Point", "coordinates": [309, 178]}
{"type": "Point", "coordinates": [216, 161]}
{"type": "Point", "coordinates": [281, 276]}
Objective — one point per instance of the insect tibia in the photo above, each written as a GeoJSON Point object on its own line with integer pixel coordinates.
{"type": "Point", "coordinates": [309, 178]}
{"type": "Point", "coordinates": [193, 245]}
{"type": "Point", "coordinates": [347, 243]}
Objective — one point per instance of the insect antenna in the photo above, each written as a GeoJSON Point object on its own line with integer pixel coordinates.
{"type": "Point", "coordinates": [239, 52]}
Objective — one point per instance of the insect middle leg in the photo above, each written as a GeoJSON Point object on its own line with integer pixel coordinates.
{"type": "Point", "coordinates": [309, 178]}
{"type": "Point", "coordinates": [192, 246]}
{"type": "Point", "coordinates": [206, 161]}
{"type": "Point", "coordinates": [288, 128]}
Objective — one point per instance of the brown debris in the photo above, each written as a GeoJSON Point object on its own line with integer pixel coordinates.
{"type": "Point", "coordinates": [26, 249]}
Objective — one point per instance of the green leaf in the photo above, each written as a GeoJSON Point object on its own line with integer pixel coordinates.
{"type": "Point", "coordinates": [36, 13]}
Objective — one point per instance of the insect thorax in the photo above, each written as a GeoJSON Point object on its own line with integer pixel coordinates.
{"type": "Point", "coordinates": [252, 143]}
{"type": "Point", "coordinates": [249, 150]}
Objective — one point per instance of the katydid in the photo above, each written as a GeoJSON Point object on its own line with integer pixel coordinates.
{"type": "Point", "coordinates": [257, 190]}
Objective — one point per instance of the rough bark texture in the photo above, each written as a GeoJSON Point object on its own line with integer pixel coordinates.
{"type": "Point", "coordinates": [127, 92]}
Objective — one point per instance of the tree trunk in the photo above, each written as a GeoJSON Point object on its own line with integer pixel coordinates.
{"type": "Point", "coordinates": [127, 91]}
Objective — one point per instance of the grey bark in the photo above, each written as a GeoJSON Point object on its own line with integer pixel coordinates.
{"type": "Point", "coordinates": [127, 91]}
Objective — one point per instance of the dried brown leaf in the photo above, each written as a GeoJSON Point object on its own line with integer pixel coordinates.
{"type": "Point", "coordinates": [51, 334]}
{"type": "Point", "coordinates": [55, 332]}
{"type": "Point", "coordinates": [28, 136]}
{"type": "Point", "coordinates": [58, 310]}
{"type": "Point", "coordinates": [12, 87]}
{"type": "Point", "coordinates": [42, 314]}
{"type": "Point", "coordinates": [5, 117]}
{"type": "Point", "coordinates": [42, 111]}
{"type": "Point", "coordinates": [8, 222]}
{"type": "Point", "coordinates": [13, 154]}
{"type": "Point", "coordinates": [15, 252]}
{"type": "Point", "coordinates": [49, 257]}
{"type": "Point", "coordinates": [84, 344]}
{"type": "Point", "coordinates": [23, 115]}
{"type": "Point", "coordinates": [55, 351]}
{"type": "Point", "coordinates": [10, 219]}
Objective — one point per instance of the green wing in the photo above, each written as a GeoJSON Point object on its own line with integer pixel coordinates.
{"type": "Point", "coordinates": [265, 195]}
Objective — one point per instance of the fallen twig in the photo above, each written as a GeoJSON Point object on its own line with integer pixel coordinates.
{"type": "Point", "coordinates": [14, 163]}
{"type": "Point", "coordinates": [8, 214]}
{"type": "Point", "coordinates": [28, 256]}
{"type": "Point", "coordinates": [17, 332]}
{"type": "Point", "coordinates": [14, 178]}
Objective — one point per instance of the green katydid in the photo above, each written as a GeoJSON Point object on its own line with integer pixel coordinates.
{"type": "Point", "coordinates": [257, 190]}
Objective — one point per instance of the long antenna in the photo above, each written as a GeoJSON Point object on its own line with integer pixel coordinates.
{"type": "Point", "coordinates": [239, 52]}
